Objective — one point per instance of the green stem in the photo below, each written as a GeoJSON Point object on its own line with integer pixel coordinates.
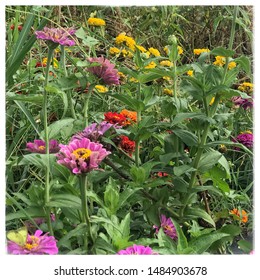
{"type": "Point", "coordinates": [46, 139]}
{"type": "Point", "coordinates": [85, 214]}
{"type": "Point", "coordinates": [85, 109]}
{"type": "Point", "coordinates": [63, 65]}
{"type": "Point", "coordinates": [139, 116]}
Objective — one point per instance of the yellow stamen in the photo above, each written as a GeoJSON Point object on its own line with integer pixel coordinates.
{"type": "Point", "coordinates": [82, 153]}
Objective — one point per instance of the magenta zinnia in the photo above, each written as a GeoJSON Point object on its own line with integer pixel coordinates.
{"type": "Point", "coordinates": [81, 155]}
{"type": "Point", "coordinates": [105, 70]}
{"type": "Point", "coordinates": [245, 138]}
{"type": "Point", "coordinates": [60, 36]}
{"type": "Point", "coordinates": [36, 244]}
{"type": "Point", "coordinates": [38, 146]}
{"type": "Point", "coordinates": [137, 250]}
{"type": "Point", "coordinates": [167, 226]}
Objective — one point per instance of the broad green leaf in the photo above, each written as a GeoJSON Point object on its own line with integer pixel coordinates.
{"type": "Point", "coordinates": [56, 127]}
{"type": "Point", "coordinates": [203, 242]}
{"type": "Point", "coordinates": [222, 52]}
{"type": "Point", "coordinates": [133, 103]}
{"type": "Point", "coordinates": [195, 212]}
{"type": "Point", "coordinates": [245, 64]}
{"type": "Point", "coordinates": [39, 160]}
{"type": "Point", "coordinates": [245, 246]}
{"type": "Point", "coordinates": [208, 160]}
{"type": "Point", "coordinates": [179, 170]}
{"type": "Point", "coordinates": [184, 116]}
{"type": "Point", "coordinates": [34, 212]}
{"type": "Point", "coordinates": [65, 200]}
{"type": "Point", "coordinates": [189, 138]}
{"type": "Point", "coordinates": [111, 196]}
{"type": "Point", "coordinates": [32, 98]}
{"type": "Point", "coordinates": [78, 231]}
{"type": "Point", "coordinates": [182, 242]}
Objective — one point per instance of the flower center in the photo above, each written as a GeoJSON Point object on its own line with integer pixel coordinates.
{"type": "Point", "coordinates": [82, 153]}
{"type": "Point", "coordinates": [168, 228]}
{"type": "Point", "coordinates": [41, 148]}
{"type": "Point", "coordinates": [32, 243]}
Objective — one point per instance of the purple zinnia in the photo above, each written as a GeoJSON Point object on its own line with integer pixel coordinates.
{"type": "Point", "coordinates": [167, 226]}
{"type": "Point", "coordinates": [137, 250]}
{"type": "Point", "coordinates": [243, 102]}
{"type": "Point", "coordinates": [245, 138]}
{"type": "Point", "coordinates": [60, 36]}
{"type": "Point", "coordinates": [81, 155]}
{"type": "Point", "coordinates": [93, 132]}
{"type": "Point", "coordinates": [105, 71]}
{"type": "Point", "coordinates": [38, 146]}
{"type": "Point", "coordinates": [36, 244]}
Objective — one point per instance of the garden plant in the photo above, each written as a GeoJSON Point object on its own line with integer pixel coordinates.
{"type": "Point", "coordinates": [129, 130]}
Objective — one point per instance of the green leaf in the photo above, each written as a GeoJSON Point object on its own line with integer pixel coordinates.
{"type": "Point", "coordinates": [133, 103]}
{"type": "Point", "coordinates": [194, 213]}
{"type": "Point", "coordinates": [184, 116]}
{"type": "Point", "coordinates": [245, 246]}
{"type": "Point", "coordinates": [217, 175]}
{"type": "Point", "coordinates": [125, 226]}
{"type": "Point", "coordinates": [56, 127]}
{"type": "Point", "coordinates": [138, 174]}
{"type": "Point", "coordinates": [208, 160]}
{"type": "Point", "coordinates": [179, 170]}
{"type": "Point", "coordinates": [95, 197]}
{"type": "Point", "coordinates": [32, 98]}
{"type": "Point", "coordinates": [39, 160]}
{"type": "Point", "coordinates": [78, 231]}
{"type": "Point", "coordinates": [111, 196]}
{"type": "Point", "coordinates": [64, 200]}
{"type": "Point", "coordinates": [34, 212]}
{"type": "Point", "coordinates": [222, 52]}
{"type": "Point", "coordinates": [203, 242]}
{"type": "Point", "coordinates": [182, 242]}
{"type": "Point", "coordinates": [189, 138]}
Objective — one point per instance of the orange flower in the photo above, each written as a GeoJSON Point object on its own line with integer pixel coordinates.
{"type": "Point", "coordinates": [131, 116]}
{"type": "Point", "coordinates": [236, 212]}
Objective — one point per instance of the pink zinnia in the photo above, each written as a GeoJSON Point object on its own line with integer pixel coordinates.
{"type": "Point", "coordinates": [167, 226]}
{"type": "Point", "coordinates": [105, 71]}
{"type": "Point", "coordinates": [245, 103]}
{"type": "Point", "coordinates": [60, 36]}
{"type": "Point", "coordinates": [36, 244]}
{"type": "Point", "coordinates": [38, 146]}
{"type": "Point", "coordinates": [137, 250]}
{"type": "Point", "coordinates": [246, 139]}
{"type": "Point", "coordinates": [81, 155]}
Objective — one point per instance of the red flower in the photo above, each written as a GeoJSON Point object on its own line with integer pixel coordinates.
{"type": "Point", "coordinates": [115, 118]}
{"type": "Point", "coordinates": [19, 27]}
{"type": "Point", "coordinates": [127, 145]}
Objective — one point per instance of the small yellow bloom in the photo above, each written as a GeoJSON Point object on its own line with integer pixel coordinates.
{"type": "Point", "coordinates": [141, 48]}
{"type": "Point", "coordinates": [151, 65]}
{"type": "Point", "coordinates": [129, 41]}
{"type": "Point", "coordinates": [101, 89]}
{"type": "Point", "coordinates": [219, 60]}
{"type": "Point", "coordinates": [122, 75]}
{"type": "Point", "coordinates": [190, 73]}
{"type": "Point", "coordinates": [114, 50]}
{"type": "Point", "coordinates": [96, 22]}
{"type": "Point", "coordinates": [246, 87]}
{"type": "Point", "coordinates": [232, 65]}
{"type": "Point", "coordinates": [200, 51]}
{"type": "Point", "coordinates": [154, 52]}
{"type": "Point", "coordinates": [166, 78]}
{"type": "Point", "coordinates": [212, 101]}
{"type": "Point", "coordinates": [167, 63]}
{"type": "Point", "coordinates": [133, 80]}
{"type": "Point", "coordinates": [168, 91]}
{"type": "Point", "coordinates": [120, 38]}
{"type": "Point", "coordinates": [180, 50]}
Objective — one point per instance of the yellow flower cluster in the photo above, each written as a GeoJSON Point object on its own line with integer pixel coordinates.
{"type": "Point", "coordinates": [143, 50]}
{"type": "Point", "coordinates": [190, 73]}
{"type": "Point", "coordinates": [246, 87]}
{"type": "Point", "coordinates": [96, 21]}
{"type": "Point", "coordinates": [133, 80]}
{"type": "Point", "coordinates": [154, 52]}
{"type": "Point", "coordinates": [200, 51]}
{"type": "Point", "coordinates": [168, 91]}
{"type": "Point", "coordinates": [167, 63]}
{"type": "Point", "coordinates": [212, 101]}
{"type": "Point", "coordinates": [221, 60]}
{"type": "Point", "coordinates": [151, 65]}
{"type": "Point", "coordinates": [101, 89]}
{"type": "Point", "coordinates": [114, 50]}
{"type": "Point", "coordinates": [129, 41]}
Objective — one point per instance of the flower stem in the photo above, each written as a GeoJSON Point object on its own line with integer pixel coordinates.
{"type": "Point", "coordinates": [63, 65]}
{"type": "Point", "coordinates": [139, 116]}
{"type": "Point", "coordinates": [85, 214]}
{"type": "Point", "coordinates": [46, 139]}
{"type": "Point", "coordinates": [85, 109]}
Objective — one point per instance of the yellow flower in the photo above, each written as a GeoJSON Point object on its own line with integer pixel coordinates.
{"type": "Point", "coordinates": [220, 60]}
{"type": "Point", "coordinates": [246, 87]}
{"type": "Point", "coordinates": [96, 22]}
{"type": "Point", "coordinates": [167, 63]}
{"type": "Point", "coordinates": [141, 48]}
{"type": "Point", "coordinates": [122, 75]}
{"type": "Point", "coordinates": [200, 51]}
{"type": "Point", "coordinates": [180, 50]}
{"type": "Point", "coordinates": [54, 62]}
{"type": "Point", "coordinates": [151, 65]}
{"type": "Point", "coordinates": [133, 80]}
{"type": "Point", "coordinates": [129, 41]}
{"type": "Point", "coordinates": [101, 89]}
{"type": "Point", "coordinates": [212, 101]}
{"type": "Point", "coordinates": [190, 73]}
{"type": "Point", "coordinates": [154, 52]}
{"type": "Point", "coordinates": [168, 91]}
{"type": "Point", "coordinates": [120, 38]}
{"type": "Point", "coordinates": [166, 78]}
{"type": "Point", "coordinates": [114, 50]}
{"type": "Point", "coordinates": [166, 49]}
{"type": "Point", "coordinates": [232, 65]}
